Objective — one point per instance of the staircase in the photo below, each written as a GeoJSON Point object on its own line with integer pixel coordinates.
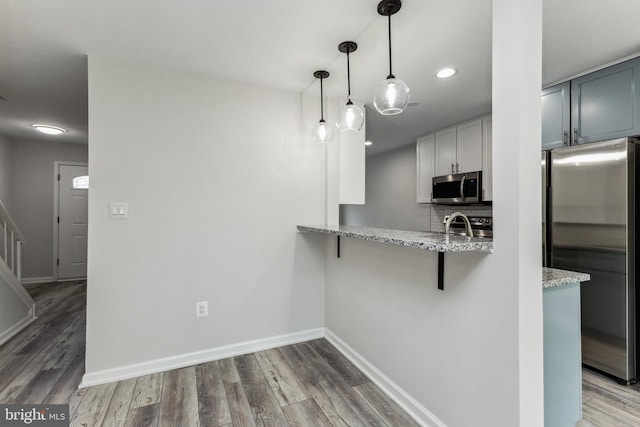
{"type": "Point", "coordinates": [11, 242]}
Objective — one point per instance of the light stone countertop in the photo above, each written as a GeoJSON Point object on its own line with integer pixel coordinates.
{"type": "Point", "coordinates": [437, 242]}
{"type": "Point", "coordinates": [412, 239]}
{"type": "Point", "coordinates": [552, 277]}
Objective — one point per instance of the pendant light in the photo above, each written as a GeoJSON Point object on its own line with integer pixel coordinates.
{"type": "Point", "coordinates": [350, 117]}
{"type": "Point", "coordinates": [392, 96]}
{"type": "Point", "coordinates": [321, 132]}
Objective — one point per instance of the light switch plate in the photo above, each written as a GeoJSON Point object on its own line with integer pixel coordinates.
{"type": "Point", "coordinates": [118, 210]}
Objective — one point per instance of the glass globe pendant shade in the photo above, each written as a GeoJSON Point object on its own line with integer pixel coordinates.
{"type": "Point", "coordinates": [351, 117]}
{"type": "Point", "coordinates": [392, 97]}
{"type": "Point", "coordinates": [322, 132]}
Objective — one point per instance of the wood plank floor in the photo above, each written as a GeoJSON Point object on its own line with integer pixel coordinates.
{"type": "Point", "coordinates": [307, 384]}
{"type": "Point", "coordinates": [605, 403]}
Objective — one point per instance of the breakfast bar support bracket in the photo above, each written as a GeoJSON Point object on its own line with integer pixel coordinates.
{"type": "Point", "coordinates": [338, 249]}
{"type": "Point", "coordinates": [441, 271]}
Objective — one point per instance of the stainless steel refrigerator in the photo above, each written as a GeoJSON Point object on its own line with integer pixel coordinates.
{"type": "Point", "coordinates": [591, 227]}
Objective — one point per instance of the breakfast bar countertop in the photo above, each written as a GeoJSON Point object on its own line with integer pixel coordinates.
{"type": "Point", "coordinates": [438, 242]}
{"type": "Point", "coordinates": [424, 240]}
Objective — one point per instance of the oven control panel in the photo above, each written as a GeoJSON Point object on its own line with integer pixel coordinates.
{"type": "Point", "coordinates": [482, 226]}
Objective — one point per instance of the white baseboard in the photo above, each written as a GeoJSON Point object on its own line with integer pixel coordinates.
{"type": "Point", "coordinates": [35, 280]}
{"type": "Point", "coordinates": [75, 279]}
{"type": "Point", "coordinates": [12, 331]}
{"type": "Point", "coordinates": [194, 358]}
{"type": "Point", "coordinates": [411, 406]}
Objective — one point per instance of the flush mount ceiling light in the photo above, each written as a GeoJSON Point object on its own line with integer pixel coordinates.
{"type": "Point", "coordinates": [446, 72]}
{"type": "Point", "coordinates": [392, 96]}
{"type": "Point", "coordinates": [48, 129]}
{"type": "Point", "coordinates": [368, 143]}
{"type": "Point", "coordinates": [350, 117]}
{"type": "Point", "coordinates": [321, 132]}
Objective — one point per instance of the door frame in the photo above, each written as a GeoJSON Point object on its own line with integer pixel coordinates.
{"type": "Point", "coordinates": [56, 212]}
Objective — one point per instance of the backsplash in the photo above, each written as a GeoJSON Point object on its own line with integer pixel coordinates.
{"type": "Point", "coordinates": [438, 212]}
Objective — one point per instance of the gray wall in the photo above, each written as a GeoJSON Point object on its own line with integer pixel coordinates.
{"type": "Point", "coordinates": [215, 191]}
{"type": "Point", "coordinates": [12, 310]}
{"type": "Point", "coordinates": [390, 200]}
{"type": "Point", "coordinates": [32, 198]}
{"type": "Point", "coordinates": [5, 171]}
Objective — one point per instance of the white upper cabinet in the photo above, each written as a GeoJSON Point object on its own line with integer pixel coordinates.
{"type": "Point", "coordinates": [458, 149]}
{"type": "Point", "coordinates": [445, 152]}
{"type": "Point", "coordinates": [487, 170]}
{"type": "Point", "coordinates": [352, 168]}
{"type": "Point", "coordinates": [469, 147]}
{"type": "Point", "coordinates": [425, 158]}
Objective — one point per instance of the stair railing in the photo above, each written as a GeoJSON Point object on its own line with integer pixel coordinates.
{"type": "Point", "coordinates": [13, 241]}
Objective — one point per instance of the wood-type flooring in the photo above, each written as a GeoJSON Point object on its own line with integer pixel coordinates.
{"type": "Point", "coordinates": [605, 403]}
{"type": "Point", "coordinates": [306, 384]}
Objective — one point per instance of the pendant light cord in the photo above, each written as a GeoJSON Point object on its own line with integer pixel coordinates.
{"type": "Point", "coordinates": [321, 103]}
{"type": "Point", "coordinates": [348, 79]}
{"type": "Point", "coordinates": [390, 76]}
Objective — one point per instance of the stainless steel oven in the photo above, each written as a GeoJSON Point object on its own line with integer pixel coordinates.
{"type": "Point", "coordinates": [457, 189]}
{"type": "Point", "coordinates": [482, 226]}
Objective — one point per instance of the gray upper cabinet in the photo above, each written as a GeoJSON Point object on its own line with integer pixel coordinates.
{"type": "Point", "coordinates": [555, 116]}
{"type": "Point", "coordinates": [606, 104]}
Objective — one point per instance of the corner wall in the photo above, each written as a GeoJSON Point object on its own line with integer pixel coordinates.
{"type": "Point", "coordinates": [217, 175]}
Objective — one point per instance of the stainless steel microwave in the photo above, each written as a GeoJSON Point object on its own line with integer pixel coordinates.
{"type": "Point", "coordinates": [457, 189]}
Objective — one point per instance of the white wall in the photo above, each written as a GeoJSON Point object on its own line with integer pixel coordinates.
{"type": "Point", "coordinates": [517, 35]}
{"type": "Point", "coordinates": [5, 171]}
{"type": "Point", "coordinates": [471, 354]}
{"type": "Point", "coordinates": [32, 164]}
{"type": "Point", "coordinates": [390, 190]}
{"type": "Point", "coordinates": [217, 174]}
{"type": "Point", "coordinates": [12, 310]}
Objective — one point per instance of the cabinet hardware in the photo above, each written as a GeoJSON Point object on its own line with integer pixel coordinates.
{"type": "Point", "coordinates": [457, 168]}
{"type": "Point", "coordinates": [575, 136]}
{"type": "Point", "coordinates": [565, 138]}
{"type": "Point", "coordinates": [451, 167]}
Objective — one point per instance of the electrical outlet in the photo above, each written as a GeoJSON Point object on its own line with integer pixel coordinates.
{"type": "Point", "coordinates": [202, 308]}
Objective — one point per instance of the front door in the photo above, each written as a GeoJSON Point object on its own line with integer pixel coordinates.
{"type": "Point", "coordinates": [73, 189]}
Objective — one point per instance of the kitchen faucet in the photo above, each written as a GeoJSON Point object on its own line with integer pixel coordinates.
{"type": "Point", "coordinates": [467, 224]}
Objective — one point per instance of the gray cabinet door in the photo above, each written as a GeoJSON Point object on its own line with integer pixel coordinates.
{"type": "Point", "coordinates": [605, 104]}
{"type": "Point", "coordinates": [555, 116]}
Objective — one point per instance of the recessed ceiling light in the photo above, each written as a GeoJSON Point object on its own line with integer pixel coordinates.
{"type": "Point", "coordinates": [49, 130]}
{"type": "Point", "coordinates": [446, 72]}
{"type": "Point", "coordinates": [368, 143]}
